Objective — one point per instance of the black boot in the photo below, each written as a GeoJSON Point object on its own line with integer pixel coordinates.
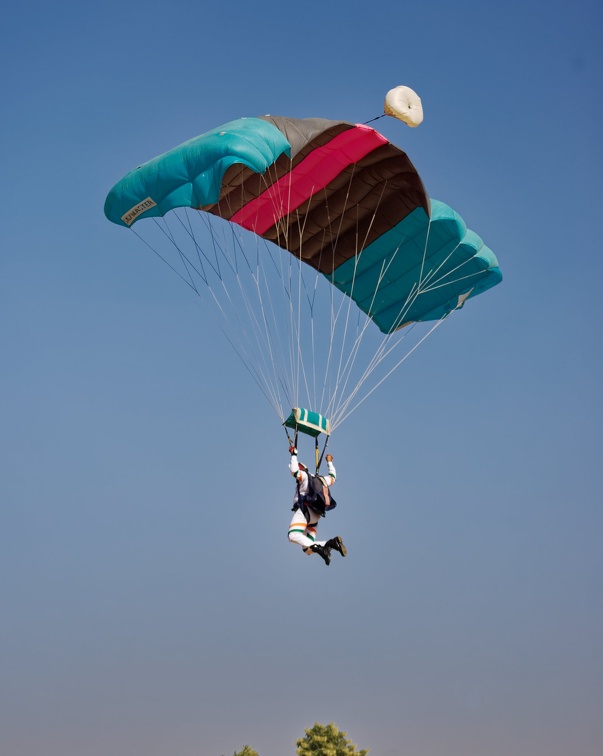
{"type": "Point", "coordinates": [324, 551]}
{"type": "Point", "coordinates": [337, 544]}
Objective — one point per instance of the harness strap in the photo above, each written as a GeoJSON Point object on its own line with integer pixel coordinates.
{"type": "Point", "coordinates": [324, 448]}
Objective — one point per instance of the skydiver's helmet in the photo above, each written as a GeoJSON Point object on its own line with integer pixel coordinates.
{"type": "Point", "coordinates": [302, 466]}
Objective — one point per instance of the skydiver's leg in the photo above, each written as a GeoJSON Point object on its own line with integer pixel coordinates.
{"type": "Point", "coordinates": [303, 532]}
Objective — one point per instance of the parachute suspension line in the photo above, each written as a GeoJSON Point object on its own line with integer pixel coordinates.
{"type": "Point", "coordinates": [218, 247]}
{"type": "Point", "coordinates": [429, 277]}
{"type": "Point", "coordinates": [349, 304]}
{"type": "Point", "coordinates": [291, 330]}
{"type": "Point", "coordinates": [372, 365]}
{"type": "Point", "coordinates": [249, 368]}
{"type": "Point", "coordinates": [383, 350]}
{"type": "Point", "coordinates": [424, 252]}
{"type": "Point", "coordinates": [183, 258]}
{"type": "Point", "coordinates": [259, 277]}
{"type": "Point", "coordinates": [354, 352]}
{"type": "Point", "coordinates": [261, 332]}
{"type": "Point", "coordinates": [311, 304]}
{"type": "Point", "coordinates": [262, 370]}
{"type": "Point", "coordinates": [267, 329]}
{"type": "Point", "coordinates": [380, 355]}
{"type": "Point", "coordinates": [311, 300]}
{"type": "Point", "coordinates": [259, 370]}
{"type": "Point", "coordinates": [222, 248]}
{"type": "Point", "coordinates": [422, 284]}
{"type": "Point", "coordinates": [282, 229]}
{"type": "Point", "coordinates": [243, 356]}
{"type": "Point", "coordinates": [331, 410]}
{"type": "Point", "coordinates": [332, 318]}
{"type": "Point", "coordinates": [395, 367]}
{"type": "Point", "coordinates": [341, 414]}
{"type": "Point", "coordinates": [271, 342]}
{"type": "Point", "coordinates": [295, 331]}
{"type": "Point", "coordinates": [268, 304]}
{"type": "Point", "coordinates": [285, 275]}
{"type": "Point", "coordinates": [314, 348]}
{"type": "Point", "coordinates": [360, 247]}
{"type": "Point", "coordinates": [301, 365]}
{"type": "Point", "coordinates": [251, 361]}
{"type": "Point", "coordinates": [200, 253]}
{"type": "Point", "coordinates": [302, 282]}
{"type": "Point", "coordinates": [335, 316]}
{"type": "Point", "coordinates": [333, 323]}
{"type": "Point", "coordinates": [297, 358]}
{"type": "Point", "coordinates": [336, 312]}
{"type": "Point", "coordinates": [290, 382]}
{"type": "Point", "coordinates": [286, 293]}
{"type": "Point", "coordinates": [277, 348]}
{"type": "Point", "coordinates": [297, 320]}
{"type": "Point", "coordinates": [414, 292]}
{"type": "Point", "coordinates": [287, 300]}
{"type": "Point", "coordinates": [251, 357]}
{"type": "Point", "coordinates": [162, 258]}
{"type": "Point", "coordinates": [440, 282]}
{"type": "Point", "coordinates": [167, 232]}
{"type": "Point", "coordinates": [191, 234]}
{"type": "Point", "coordinates": [309, 363]}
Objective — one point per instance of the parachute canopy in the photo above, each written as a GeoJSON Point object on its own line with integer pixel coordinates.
{"type": "Point", "coordinates": [306, 234]}
{"type": "Point", "coordinates": [338, 196]}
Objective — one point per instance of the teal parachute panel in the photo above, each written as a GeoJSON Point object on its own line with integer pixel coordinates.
{"type": "Point", "coordinates": [421, 269]}
{"type": "Point", "coordinates": [191, 175]}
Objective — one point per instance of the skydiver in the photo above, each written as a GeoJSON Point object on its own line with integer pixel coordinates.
{"type": "Point", "coordinates": [302, 529]}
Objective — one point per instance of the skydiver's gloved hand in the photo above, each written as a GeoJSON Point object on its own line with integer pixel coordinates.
{"type": "Point", "coordinates": [293, 451]}
{"type": "Point", "coordinates": [331, 468]}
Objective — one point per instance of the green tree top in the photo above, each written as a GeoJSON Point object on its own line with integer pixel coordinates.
{"type": "Point", "coordinates": [326, 740]}
{"type": "Point", "coordinates": [246, 751]}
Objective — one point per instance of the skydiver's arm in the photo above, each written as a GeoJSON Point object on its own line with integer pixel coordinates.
{"type": "Point", "coordinates": [294, 467]}
{"type": "Point", "coordinates": [331, 469]}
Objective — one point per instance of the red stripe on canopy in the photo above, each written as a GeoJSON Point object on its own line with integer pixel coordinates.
{"type": "Point", "coordinates": [310, 176]}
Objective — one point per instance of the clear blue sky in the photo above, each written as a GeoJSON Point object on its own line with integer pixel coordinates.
{"type": "Point", "coordinates": [150, 604]}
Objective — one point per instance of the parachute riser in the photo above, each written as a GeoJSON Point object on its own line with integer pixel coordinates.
{"type": "Point", "coordinates": [291, 442]}
{"type": "Point", "coordinates": [318, 455]}
{"type": "Point", "coordinates": [324, 448]}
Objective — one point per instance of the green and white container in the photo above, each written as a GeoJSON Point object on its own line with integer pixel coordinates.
{"type": "Point", "coordinates": [310, 423]}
